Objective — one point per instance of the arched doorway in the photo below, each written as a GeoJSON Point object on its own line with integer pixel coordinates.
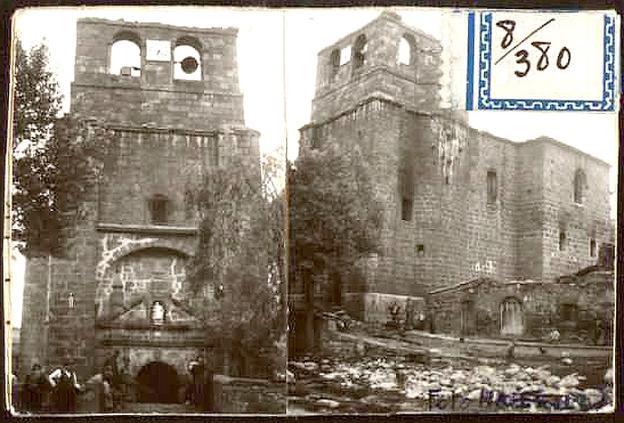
{"type": "Point", "coordinates": [158, 383]}
{"type": "Point", "coordinates": [512, 320]}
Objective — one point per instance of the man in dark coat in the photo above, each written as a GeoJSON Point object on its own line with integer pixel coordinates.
{"type": "Point", "coordinates": [65, 387]}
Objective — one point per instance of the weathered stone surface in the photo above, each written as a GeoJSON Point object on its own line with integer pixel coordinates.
{"type": "Point", "coordinates": [432, 160]}
{"type": "Point", "coordinates": [164, 134]}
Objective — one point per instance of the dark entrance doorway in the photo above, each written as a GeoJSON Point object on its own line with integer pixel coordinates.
{"type": "Point", "coordinates": [158, 383]}
{"type": "Point", "coordinates": [468, 317]}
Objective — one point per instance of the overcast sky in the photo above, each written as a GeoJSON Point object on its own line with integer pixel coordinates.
{"type": "Point", "coordinates": [270, 41]}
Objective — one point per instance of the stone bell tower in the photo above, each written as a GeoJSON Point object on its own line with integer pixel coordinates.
{"type": "Point", "coordinates": [167, 99]}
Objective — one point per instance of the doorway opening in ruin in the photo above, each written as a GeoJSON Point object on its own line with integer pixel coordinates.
{"type": "Point", "coordinates": [468, 317]}
{"type": "Point", "coordinates": [512, 320]}
{"type": "Point", "coordinates": [158, 383]}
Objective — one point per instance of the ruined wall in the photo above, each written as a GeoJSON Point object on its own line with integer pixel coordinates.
{"type": "Point", "coordinates": [588, 298]}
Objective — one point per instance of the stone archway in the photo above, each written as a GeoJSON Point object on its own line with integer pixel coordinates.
{"type": "Point", "coordinates": [511, 316]}
{"type": "Point", "coordinates": [158, 382]}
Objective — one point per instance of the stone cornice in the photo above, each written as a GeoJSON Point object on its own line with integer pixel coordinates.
{"type": "Point", "coordinates": [147, 229]}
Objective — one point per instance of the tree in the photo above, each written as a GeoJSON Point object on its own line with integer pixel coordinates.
{"type": "Point", "coordinates": [334, 220]}
{"type": "Point", "coordinates": [240, 258]}
{"type": "Point", "coordinates": [53, 159]}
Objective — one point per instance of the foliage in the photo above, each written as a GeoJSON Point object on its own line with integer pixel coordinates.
{"type": "Point", "coordinates": [240, 257]}
{"type": "Point", "coordinates": [53, 159]}
{"type": "Point", "coordinates": [334, 216]}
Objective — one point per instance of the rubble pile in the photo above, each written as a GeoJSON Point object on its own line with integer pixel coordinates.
{"type": "Point", "coordinates": [402, 385]}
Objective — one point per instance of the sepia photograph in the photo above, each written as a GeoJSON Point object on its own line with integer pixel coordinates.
{"type": "Point", "coordinates": [148, 179]}
{"type": "Point", "coordinates": [441, 260]}
{"type": "Point", "coordinates": [311, 211]}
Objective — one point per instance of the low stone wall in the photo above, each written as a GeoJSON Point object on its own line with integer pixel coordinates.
{"type": "Point", "coordinates": [243, 395]}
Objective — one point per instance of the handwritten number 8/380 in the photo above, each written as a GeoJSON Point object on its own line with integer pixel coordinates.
{"type": "Point", "coordinates": [563, 58]}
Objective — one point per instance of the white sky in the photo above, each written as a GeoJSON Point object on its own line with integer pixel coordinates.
{"type": "Point", "coordinates": [270, 41]}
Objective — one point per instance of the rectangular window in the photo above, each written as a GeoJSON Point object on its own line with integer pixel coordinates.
{"type": "Point", "coordinates": [420, 249]}
{"type": "Point", "coordinates": [492, 187]}
{"type": "Point", "coordinates": [158, 209]}
{"type": "Point", "coordinates": [315, 141]}
{"type": "Point", "coordinates": [406, 208]}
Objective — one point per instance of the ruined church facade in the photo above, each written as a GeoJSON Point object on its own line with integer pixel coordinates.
{"type": "Point", "coordinates": [458, 204]}
{"type": "Point", "coordinates": [168, 100]}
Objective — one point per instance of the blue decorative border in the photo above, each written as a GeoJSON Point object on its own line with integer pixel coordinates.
{"type": "Point", "coordinates": [485, 102]}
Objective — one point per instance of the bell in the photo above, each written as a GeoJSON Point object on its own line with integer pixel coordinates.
{"type": "Point", "coordinates": [189, 64]}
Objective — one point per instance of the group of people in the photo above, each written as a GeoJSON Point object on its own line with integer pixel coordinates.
{"type": "Point", "coordinates": [61, 385]}
{"type": "Point", "coordinates": [58, 391]}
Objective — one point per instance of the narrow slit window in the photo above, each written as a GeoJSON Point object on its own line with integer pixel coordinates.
{"type": "Point", "coordinates": [334, 60]}
{"type": "Point", "coordinates": [592, 247]}
{"type": "Point", "coordinates": [579, 186]}
{"type": "Point", "coordinates": [562, 240]}
{"type": "Point", "coordinates": [492, 187]}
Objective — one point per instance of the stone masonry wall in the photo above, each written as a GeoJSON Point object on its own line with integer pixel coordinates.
{"type": "Point", "coordinates": [580, 221]}
{"type": "Point", "coordinates": [166, 132]}
{"type": "Point", "coordinates": [455, 233]}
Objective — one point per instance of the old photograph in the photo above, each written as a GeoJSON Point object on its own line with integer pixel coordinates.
{"type": "Point", "coordinates": [441, 260]}
{"type": "Point", "coordinates": [312, 211]}
{"type": "Point", "coordinates": [148, 178]}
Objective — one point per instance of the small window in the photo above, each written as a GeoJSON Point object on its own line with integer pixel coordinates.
{"type": "Point", "coordinates": [406, 208]}
{"type": "Point", "coordinates": [187, 63]}
{"type": "Point", "coordinates": [492, 187]}
{"type": "Point", "coordinates": [592, 247]}
{"type": "Point", "coordinates": [562, 240]}
{"type": "Point", "coordinates": [125, 58]}
{"type": "Point", "coordinates": [158, 313]}
{"type": "Point", "coordinates": [420, 249]}
{"type": "Point", "coordinates": [579, 186]}
{"type": "Point", "coordinates": [359, 52]}
{"type": "Point", "coordinates": [159, 205]}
